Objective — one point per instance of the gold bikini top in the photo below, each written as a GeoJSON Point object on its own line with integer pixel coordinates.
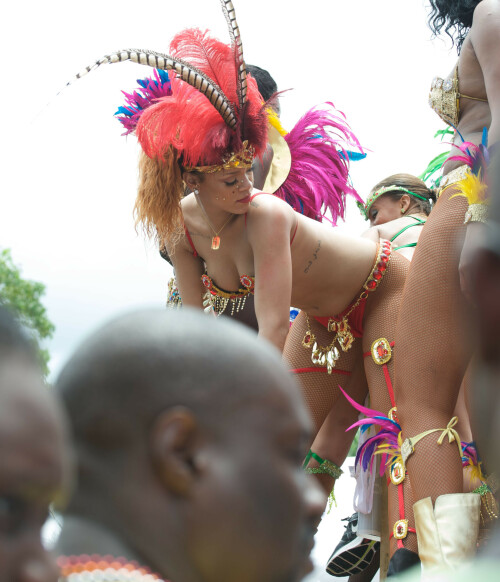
{"type": "Point", "coordinates": [444, 98]}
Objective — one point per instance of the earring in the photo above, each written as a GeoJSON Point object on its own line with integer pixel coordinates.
{"type": "Point", "coordinates": [195, 192]}
{"type": "Point", "coordinates": [402, 210]}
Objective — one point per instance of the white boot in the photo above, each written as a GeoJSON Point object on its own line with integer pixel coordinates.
{"type": "Point", "coordinates": [447, 534]}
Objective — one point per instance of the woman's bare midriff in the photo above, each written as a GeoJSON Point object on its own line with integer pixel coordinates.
{"type": "Point", "coordinates": [328, 268]}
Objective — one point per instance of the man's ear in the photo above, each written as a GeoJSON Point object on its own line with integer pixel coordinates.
{"type": "Point", "coordinates": [173, 442]}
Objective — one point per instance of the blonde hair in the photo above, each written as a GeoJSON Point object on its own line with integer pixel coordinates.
{"type": "Point", "coordinates": [157, 207]}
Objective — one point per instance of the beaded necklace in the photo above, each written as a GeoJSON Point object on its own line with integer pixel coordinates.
{"type": "Point", "coordinates": [96, 568]}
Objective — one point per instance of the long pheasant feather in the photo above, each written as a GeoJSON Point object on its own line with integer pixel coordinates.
{"type": "Point", "coordinates": [187, 72]}
{"type": "Point", "coordinates": [236, 43]}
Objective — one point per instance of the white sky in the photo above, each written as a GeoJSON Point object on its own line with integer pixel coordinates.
{"type": "Point", "coordinates": [69, 178]}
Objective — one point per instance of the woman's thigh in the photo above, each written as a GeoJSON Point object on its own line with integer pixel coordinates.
{"type": "Point", "coordinates": [320, 389]}
{"type": "Point", "coordinates": [381, 314]}
{"type": "Point", "coordinates": [431, 328]}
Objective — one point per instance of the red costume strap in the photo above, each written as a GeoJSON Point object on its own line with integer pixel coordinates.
{"type": "Point", "coordinates": [387, 377]}
{"type": "Point", "coordinates": [195, 252]}
{"type": "Point", "coordinates": [401, 526]}
{"type": "Point", "coordinates": [355, 318]}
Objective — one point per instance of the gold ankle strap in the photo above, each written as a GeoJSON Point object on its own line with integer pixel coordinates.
{"type": "Point", "coordinates": [408, 446]}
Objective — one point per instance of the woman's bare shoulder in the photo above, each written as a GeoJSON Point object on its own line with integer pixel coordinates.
{"type": "Point", "coordinates": [268, 204]}
{"type": "Point", "coordinates": [487, 7]}
{"type": "Point", "coordinates": [486, 19]}
{"type": "Point", "coordinates": [269, 214]}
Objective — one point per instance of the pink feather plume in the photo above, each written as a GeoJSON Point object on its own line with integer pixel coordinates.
{"type": "Point", "coordinates": [318, 181]}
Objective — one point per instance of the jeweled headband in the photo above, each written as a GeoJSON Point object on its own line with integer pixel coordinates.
{"type": "Point", "coordinates": [242, 159]}
{"type": "Point", "coordinates": [365, 208]}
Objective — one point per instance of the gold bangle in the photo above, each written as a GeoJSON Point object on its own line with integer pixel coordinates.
{"type": "Point", "coordinates": [476, 213]}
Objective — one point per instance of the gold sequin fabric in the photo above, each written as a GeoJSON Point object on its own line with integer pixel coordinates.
{"type": "Point", "coordinates": [454, 176]}
{"type": "Point", "coordinates": [444, 99]}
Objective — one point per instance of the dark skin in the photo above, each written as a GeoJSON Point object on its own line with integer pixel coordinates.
{"type": "Point", "coordinates": [34, 465]}
{"type": "Point", "coordinates": [479, 76]}
{"type": "Point", "coordinates": [196, 459]}
{"type": "Point", "coordinates": [485, 290]}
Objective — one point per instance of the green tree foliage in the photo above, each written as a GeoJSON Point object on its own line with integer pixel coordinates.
{"type": "Point", "coordinates": [23, 298]}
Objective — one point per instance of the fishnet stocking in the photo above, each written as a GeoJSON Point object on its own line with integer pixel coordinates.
{"type": "Point", "coordinates": [321, 390]}
{"type": "Point", "coordinates": [333, 441]}
{"type": "Point", "coordinates": [430, 334]}
{"type": "Point", "coordinates": [381, 314]}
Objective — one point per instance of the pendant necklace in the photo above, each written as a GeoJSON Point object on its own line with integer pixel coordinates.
{"type": "Point", "coordinates": [216, 238]}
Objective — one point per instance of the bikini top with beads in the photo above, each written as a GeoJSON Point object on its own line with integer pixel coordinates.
{"type": "Point", "coordinates": [444, 98]}
{"type": "Point", "coordinates": [419, 222]}
{"type": "Point", "coordinates": [247, 282]}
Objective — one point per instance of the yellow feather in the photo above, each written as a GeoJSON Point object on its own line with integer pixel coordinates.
{"type": "Point", "coordinates": [274, 120]}
{"type": "Point", "coordinates": [475, 472]}
{"type": "Point", "coordinates": [472, 188]}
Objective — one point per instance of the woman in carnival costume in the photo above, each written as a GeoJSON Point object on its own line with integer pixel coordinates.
{"type": "Point", "coordinates": [431, 331]}
{"type": "Point", "coordinates": [397, 207]}
{"type": "Point", "coordinates": [201, 127]}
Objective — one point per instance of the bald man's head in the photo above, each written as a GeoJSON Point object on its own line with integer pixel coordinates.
{"type": "Point", "coordinates": [138, 365]}
{"type": "Point", "coordinates": [188, 429]}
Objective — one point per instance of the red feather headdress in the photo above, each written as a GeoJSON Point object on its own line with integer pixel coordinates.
{"type": "Point", "coordinates": [208, 110]}
{"type": "Point", "coordinates": [189, 122]}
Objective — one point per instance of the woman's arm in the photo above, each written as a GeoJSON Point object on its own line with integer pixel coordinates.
{"type": "Point", "coordinates": [188, 272]}
{"type": "Point", "coordinates": [269, 226]}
